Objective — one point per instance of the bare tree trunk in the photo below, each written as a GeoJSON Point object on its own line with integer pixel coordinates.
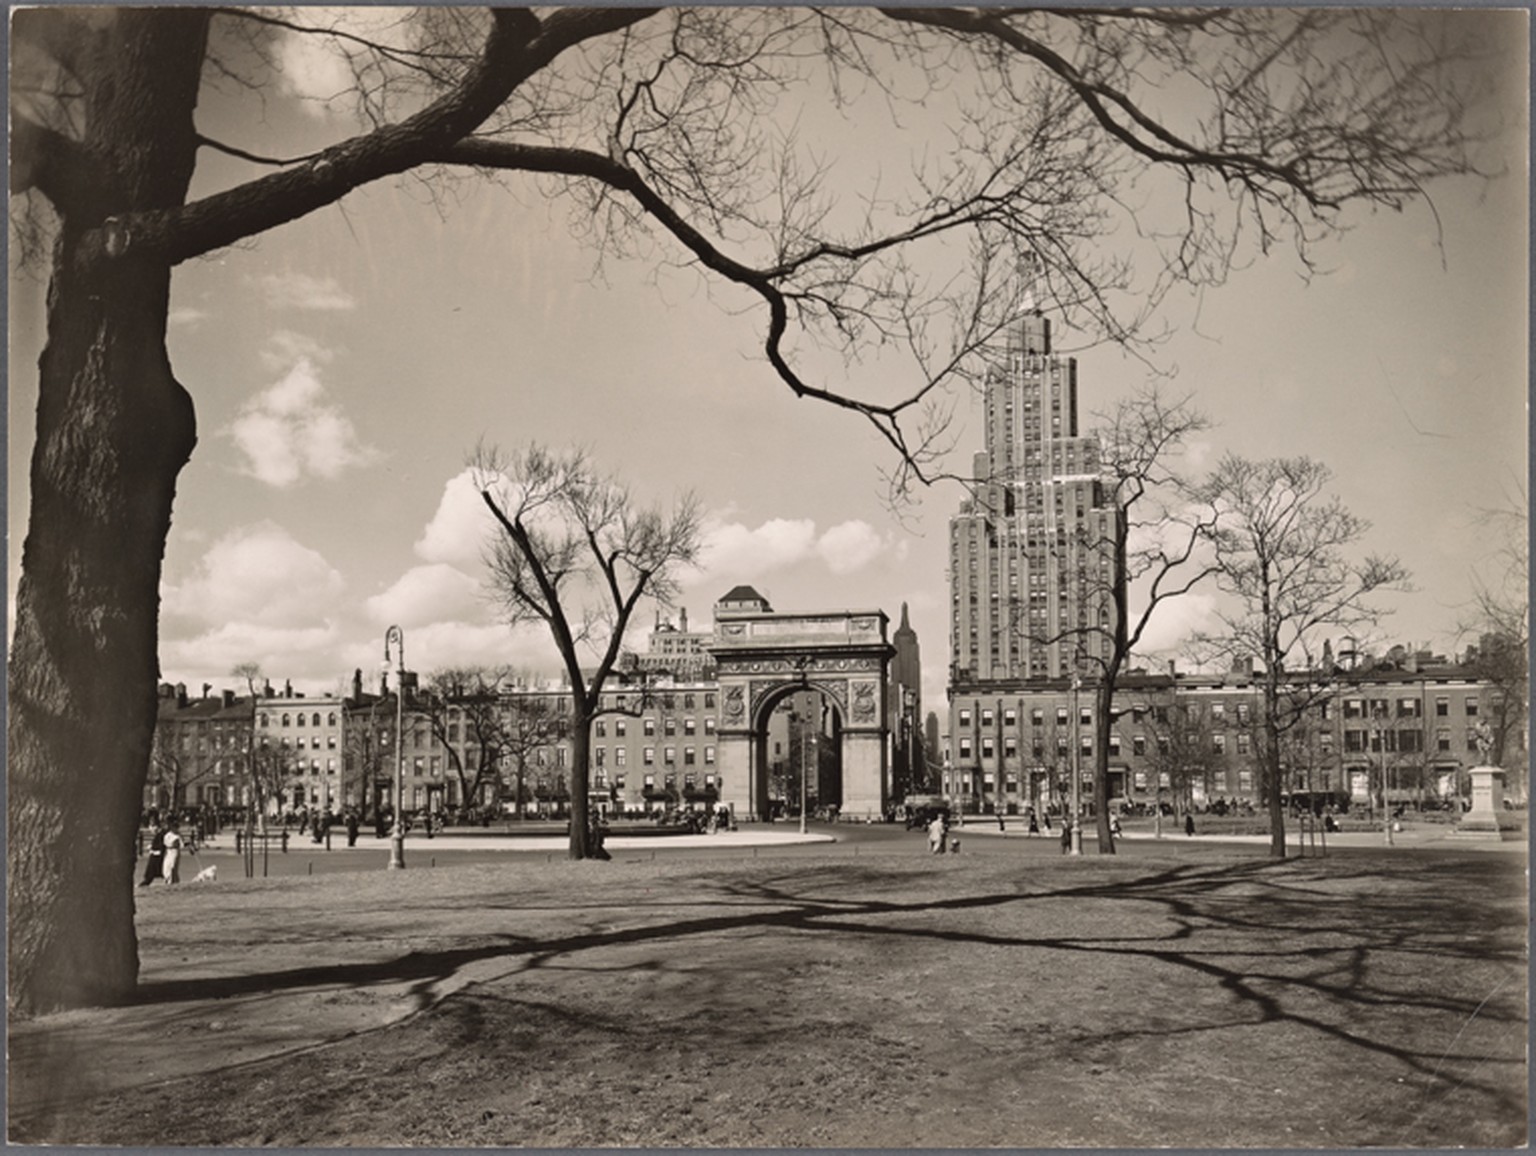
{"type": "Point", "coordinates": [114, 429]}
{"type": "Point", "coordinates": [1103, 723]}
{"type": "Point", "coordinates": [581, 835]}
{"type": "Point", "coordinates": [1271, 760]}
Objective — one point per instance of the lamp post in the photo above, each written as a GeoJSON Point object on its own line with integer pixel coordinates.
{"type": "Point", "coordinates": [396, 637]}
{"type": "Point", "coordinates": [1077, 775]}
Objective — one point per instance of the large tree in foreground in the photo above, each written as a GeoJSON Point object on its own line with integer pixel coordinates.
{"type": "Point", "coordinates": [683, 124]}
{"type": "Point", "coordinates": [575, 552]}
{"type": "Point", "coordinates": [1282, 550]}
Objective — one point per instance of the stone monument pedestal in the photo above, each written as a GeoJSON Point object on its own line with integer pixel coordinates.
{"type": "Point", "coordinates": [1486, 821]}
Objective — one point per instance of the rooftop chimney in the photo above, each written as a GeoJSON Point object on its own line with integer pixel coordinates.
{"type": "Point", "coordinates": [682, 619]}
{"type": "Point", "coordinates": [229, 698]}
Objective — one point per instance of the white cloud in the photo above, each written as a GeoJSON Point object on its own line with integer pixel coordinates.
{"type": "Point", "coordinates": [260, 576]}
{"type": "Point", "coordinates": [286, 347]}
{"type": "Point", "coordinates": [281, 652]}
{"type": "Point", "coordinates": [458, 530]}
{"type": "Point", "coordinates": [1176, 620]}
{"type": "Point", "coordinates": [287, 432]}
{"type": "Point", "coordinates": [186, 316]}
{"type": "Point", "coordinates": [426, 594]}
{"type": "Point", "coordinates": [733, 552]}
{"type": "Point", "coordinates": [850, 546]}
{"type": "Point", "coordinates": [313, 67]}
{"type": "Point", "coordinates": [302, 291]}
{"type": "Point", "coordinates": [440, 644]}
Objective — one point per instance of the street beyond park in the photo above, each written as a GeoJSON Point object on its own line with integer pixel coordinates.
{"type": "Point", "coordinates": [860, 992]}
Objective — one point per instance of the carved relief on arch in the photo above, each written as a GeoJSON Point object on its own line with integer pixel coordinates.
{"type": "Point", "coordinates": [866, 702]}
{"type": "Point", "coordinates": [762, 688]}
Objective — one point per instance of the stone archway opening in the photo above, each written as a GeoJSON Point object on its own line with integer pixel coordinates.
{"type": "Point", "coordinates": [800, 743]}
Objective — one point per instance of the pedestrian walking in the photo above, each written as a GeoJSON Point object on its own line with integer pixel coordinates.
{"type": "Point", "coordinates": [936, 835]}
{"type": "Point", "coordinates": [352, 828]}
{"type": "Point", "coordinates": [1066, 835]}
{"type": "Point", "coordinates": [171, 869]}
{"type": "Point", "coordinates": [1000, 826]}
{"type": "Point", "coordinates": [154, 866]}
{"type": "Point", "coordinates": [1034, 824]}
{"type": "Point", "coordinates": [1189, 823]}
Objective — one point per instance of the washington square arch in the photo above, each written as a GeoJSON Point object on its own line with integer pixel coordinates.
{"type": "Point", "coordinates": [763, 657]}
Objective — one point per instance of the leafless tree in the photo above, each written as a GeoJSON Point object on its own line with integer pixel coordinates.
{"type": "Point", "coordinates": [475, 702]}
{"type": "Point", "coordinates": [1184, 752]}
{"type": "Point", "coordinates": [672, 135]}
{"type": "Point", "coordinates": [1155, 547]}
{"type": "Point", "coordinates": [576, 552]}
{"type": "Point", "coordinates": [1281, 548]}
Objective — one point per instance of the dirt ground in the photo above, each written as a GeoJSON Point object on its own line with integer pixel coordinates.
{"type": "Point", "coordinates": [889, 1000]}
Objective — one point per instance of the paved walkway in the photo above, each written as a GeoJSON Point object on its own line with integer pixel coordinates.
{"type": "Point", "coordinates": [1428, 836]}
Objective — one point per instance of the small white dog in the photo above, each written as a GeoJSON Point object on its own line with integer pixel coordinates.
{"type": "Point", "coordinates": [207, 875]}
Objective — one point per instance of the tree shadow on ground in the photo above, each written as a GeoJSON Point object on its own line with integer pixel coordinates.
{"type": "Point", "coordinates": [1331, 949]}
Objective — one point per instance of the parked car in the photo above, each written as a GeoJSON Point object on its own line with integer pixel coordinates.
{"type": "Point", "coordinates": [923, 809]}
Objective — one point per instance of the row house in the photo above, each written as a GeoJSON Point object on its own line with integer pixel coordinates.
{"type": "Point", "coordinates": [1413, 725]}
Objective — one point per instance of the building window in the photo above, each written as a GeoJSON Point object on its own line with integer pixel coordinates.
{"type": "Point", "coordinates": [965, 748]}
{"type": "Point", "coordinates": [687, 756]}
{"type": "Point", "coordinates": [1354, 708]}
{"type": "Point", "coordinates": [1244, 741]}
{"type": "Point", "coordinates": [987, 750]}
{"type": "Point", "coordinates": [648, 756]}
{"type": "Point", "coordinates": [688, 726]}
{"type": "Point", "coordinates": [1442, 707]}
{"type": "Point", "coordinates": [709, 756]}
{"type": "Point", "coordinates": [620, 727]}
{"type": "Point", "coordinates": [1037, 717]}
{"type": "Point", "coordinates": [669, 756]}
{"type": "Point", "coordinates": [1471, 707]}
{"type": "Point", "coordinates": [1407, 708]}
{"type": "Point", "coordinates": [1010, 717]}
{"type": "Point", "coordinates": [650, 728]}
{"type": "Point", "coordinates": [1061, 716]}
{"type": "Point", "coordinates": [619, 756]}
{"type": "Point", "coordinates": [986, 718]}
{"type": "Point", "coordinates": [965, 717]}
{"type": "Point", "coordinates": [670, 726]}
{"type": "Point", "coordinates": [1219, 744]}
{"type": "Point", "coordinates": [600, 728]}
{"type": "Point", "coordinates": [1138, 744]}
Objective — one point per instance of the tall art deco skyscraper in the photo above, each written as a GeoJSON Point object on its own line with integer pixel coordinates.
{"type": "Point", "coordinates": [1029, 553]}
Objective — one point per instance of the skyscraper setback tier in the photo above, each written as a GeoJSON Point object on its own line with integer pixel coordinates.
{"type": "Point", "coordinates": [1030, 554]}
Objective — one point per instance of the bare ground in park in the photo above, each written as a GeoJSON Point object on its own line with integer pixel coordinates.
{"type": "Point", "coordinates": [877, 1000]}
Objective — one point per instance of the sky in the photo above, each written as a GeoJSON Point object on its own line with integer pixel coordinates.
{"type": "Point", "coordinates": [346, 366]}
